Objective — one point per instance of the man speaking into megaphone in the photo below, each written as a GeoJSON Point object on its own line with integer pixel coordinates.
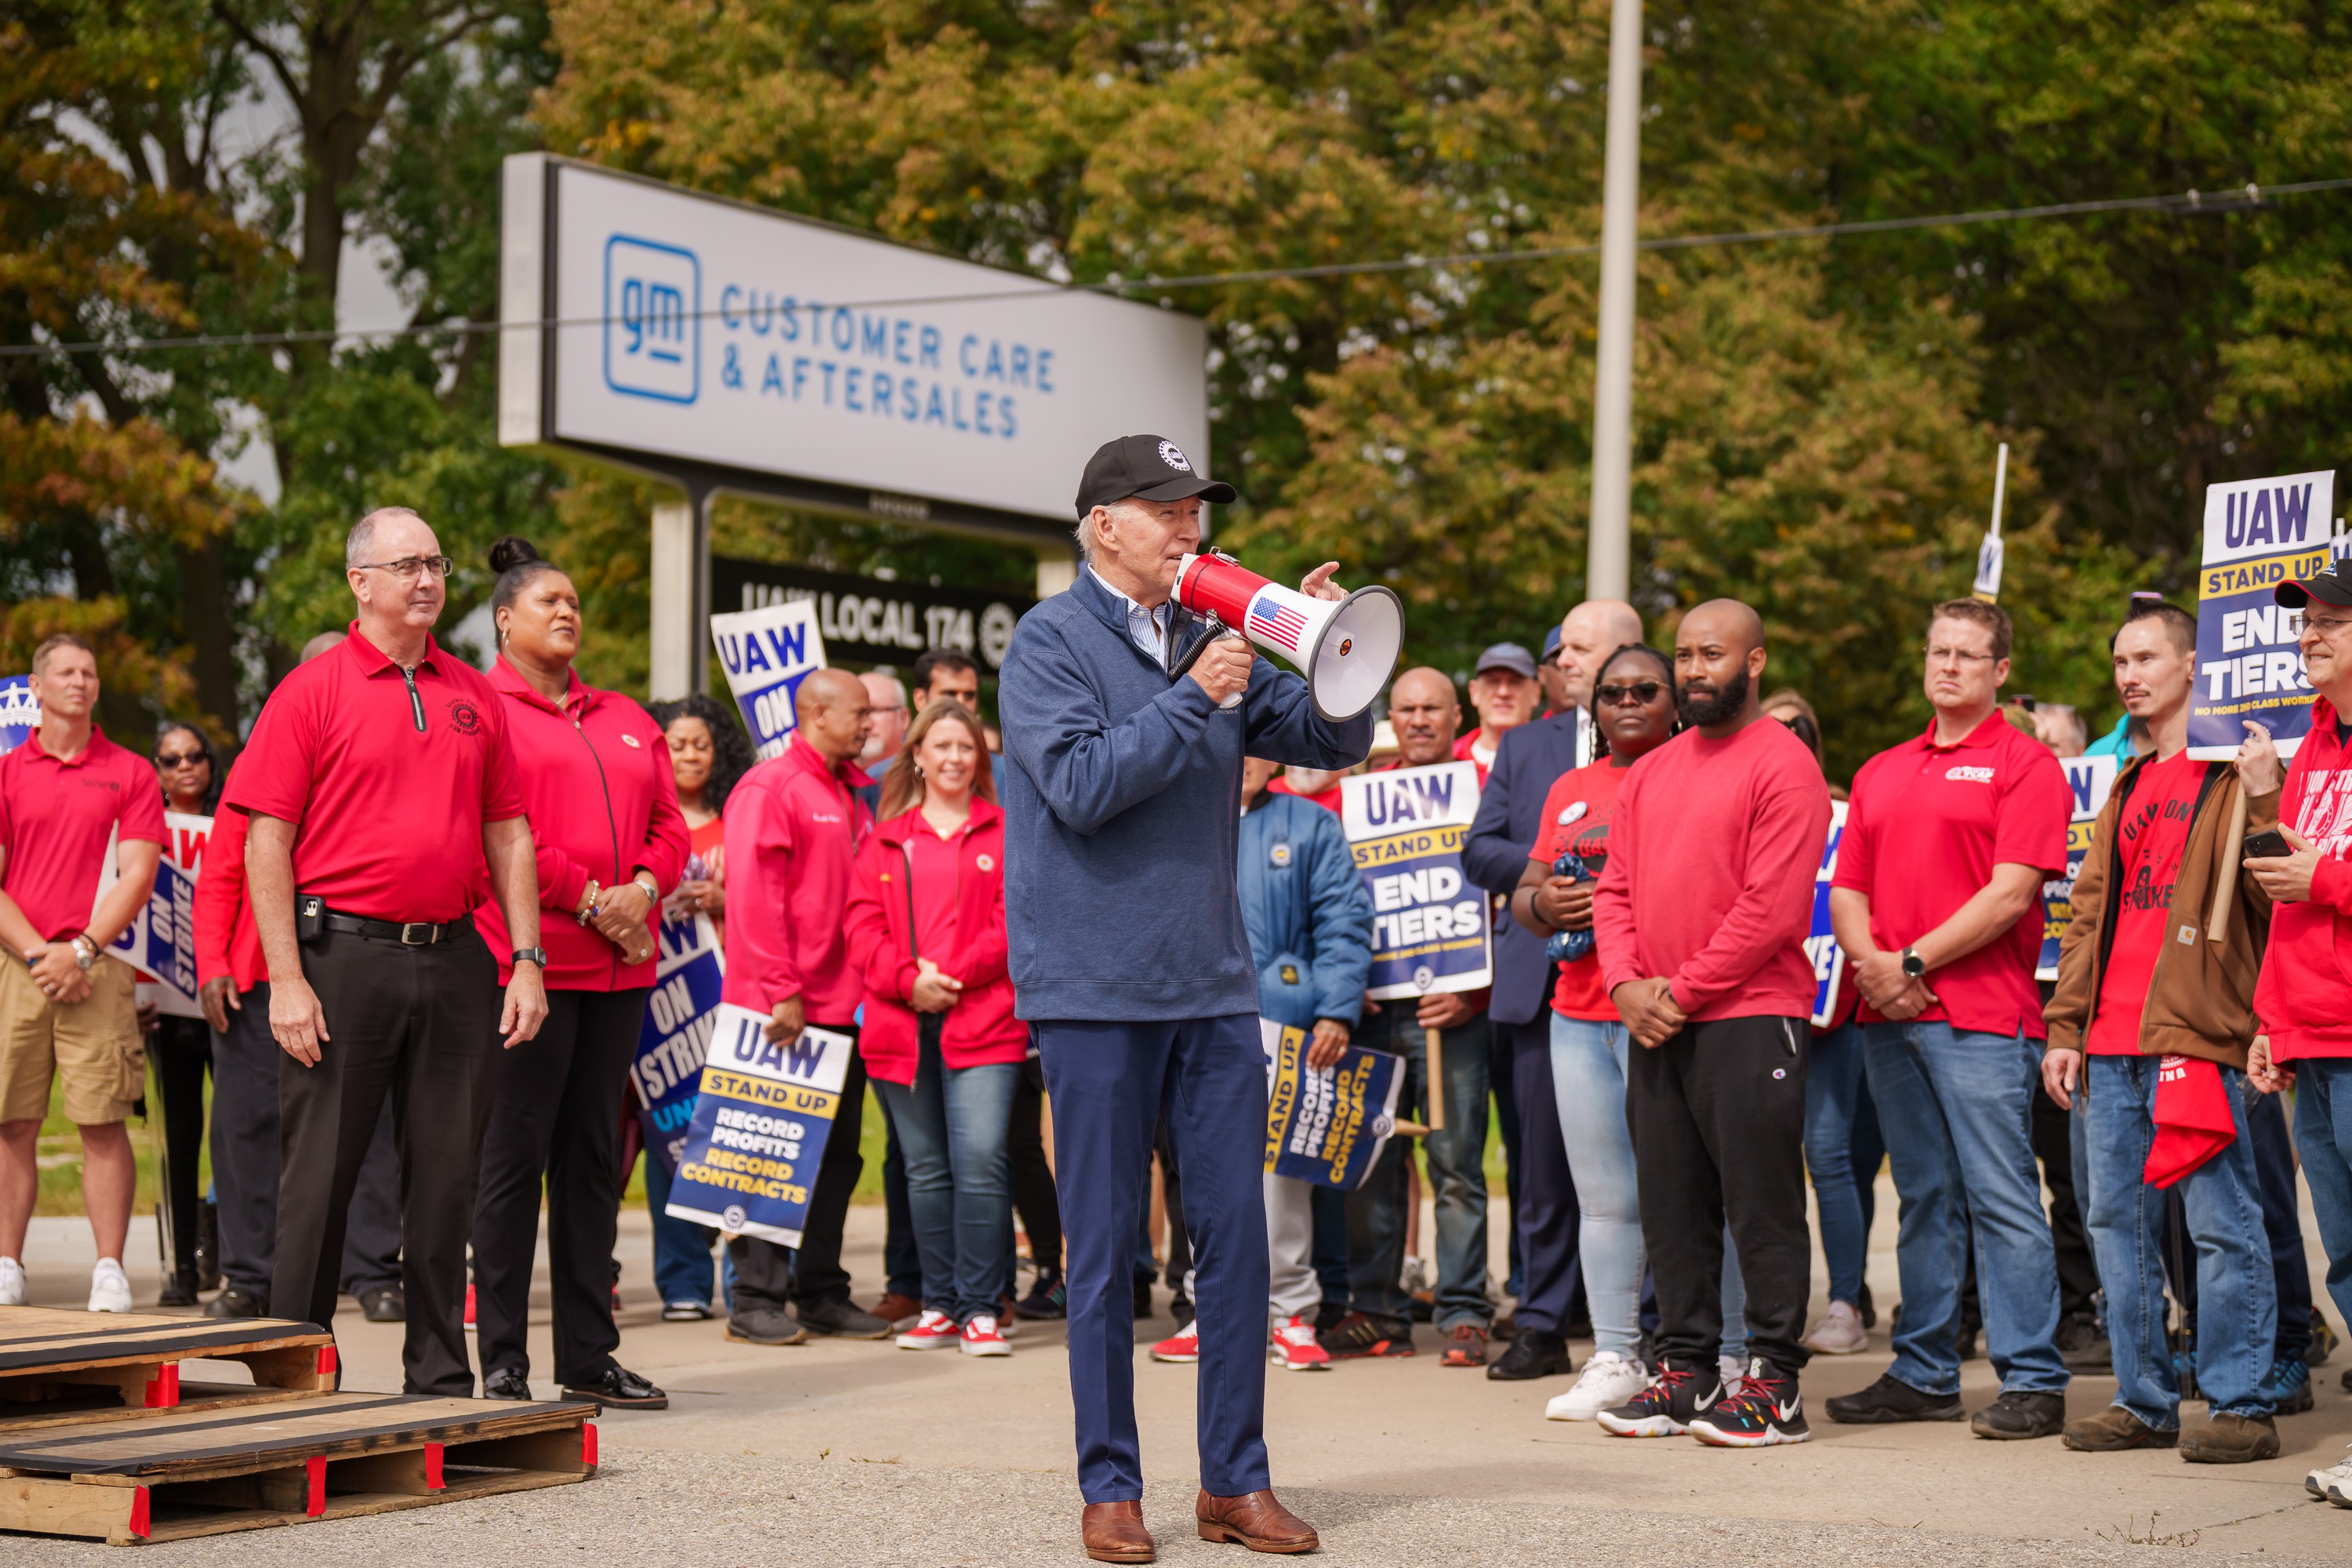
{"type": "Point", "coordinates": [1129, 961]}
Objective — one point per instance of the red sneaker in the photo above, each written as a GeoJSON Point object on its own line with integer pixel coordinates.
{"type": "Point", "coordinates": [1183, 1347]}
{"type": "Point", "coordinates": [1293, 1348]}
{"type": "Point", "coordinates": [980, 1336]}
{"type": "Point", "coordinates": [933, 1331]}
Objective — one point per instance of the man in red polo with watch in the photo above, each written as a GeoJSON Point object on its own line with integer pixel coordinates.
{"type": "Point", "coordinates": [1938, 903]}
{"type": "Point", "coordinates": [385, 807]}
{"type": "Point", "coordinates": [74, 808]}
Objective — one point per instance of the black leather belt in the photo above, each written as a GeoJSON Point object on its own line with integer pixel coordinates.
{"type": "Point", "coordinates": [411, 933]}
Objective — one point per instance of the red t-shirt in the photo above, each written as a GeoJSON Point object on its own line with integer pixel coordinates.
{"type": "Point", "coordinates": [938, 882]}
{"type": "Point", "coordinates": [2151, 835]}
{"type": "Point", "coordinates": [1576, 813]}
{"type": "Point", "coordinates": [702, 847]}
{"type": "Point", "coordinates": [1926, 826]}
{"type": "Point", "coordinates": [388, 785]}
{"type": "Point", "coordinates": [59, 821]}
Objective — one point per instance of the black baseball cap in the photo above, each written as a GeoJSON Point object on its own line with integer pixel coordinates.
{"type": "Point", "coordinates": [1150, 468]}
{"type": "Point", "coordinates": [2333, 586]}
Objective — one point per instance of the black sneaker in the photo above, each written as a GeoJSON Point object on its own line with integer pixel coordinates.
{"type": "Point", "coordinates": [1533, 1353]}
{"type": "Point", "coordinates": [1664, 1409]}
{"type": "Point", "coordinates": [384, 1304]}
{"type": "Point", "coordinates": [1763, 1410]}
{"type": "Point", "coordinates": [1049, 1300]}
{"type": "Point", "coordinates": [843, 1318]}
{"type": "Point", "coordinates": [2014, 1417]}
{"type": "Point", "coordinates": [1359, 1335]}
{"type": "Point", "coordinates": [2083, 1345]}
{"type": "Point", "coordinates": [1891, 1400]}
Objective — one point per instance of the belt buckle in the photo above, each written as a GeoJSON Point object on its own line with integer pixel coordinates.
{"type": "Point", "coordinates": [424, 941]}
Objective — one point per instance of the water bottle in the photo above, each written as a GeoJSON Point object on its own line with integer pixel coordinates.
{"type": "Point", "coordinates": [1568, 946]}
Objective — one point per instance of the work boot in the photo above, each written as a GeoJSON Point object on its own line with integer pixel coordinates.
{"type": "Point", "coordinates": [2113, 1430]}
{"type": "Point", "coordinates": [2027, 1413]}
{"type": "Point", "coordinates": [2229, 1439]}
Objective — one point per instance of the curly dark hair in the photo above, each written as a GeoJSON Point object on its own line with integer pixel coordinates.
{"type": "Point", "coordinates": [730, 750]}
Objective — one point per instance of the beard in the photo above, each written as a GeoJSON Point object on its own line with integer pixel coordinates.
{"type": "Point", "coordinates": [1714, 708]}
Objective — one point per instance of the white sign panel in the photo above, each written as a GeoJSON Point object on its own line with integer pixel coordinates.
{"type": "Point", "coordinates": [767, 653]}
{"type": "Point", "coordinates": [709, 330]}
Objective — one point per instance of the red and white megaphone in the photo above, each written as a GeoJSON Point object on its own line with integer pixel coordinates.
{"type": "Point", "coordinates": [1345, 647]}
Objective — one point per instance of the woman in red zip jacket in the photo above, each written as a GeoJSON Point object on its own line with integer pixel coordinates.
{"type": "Point", "coordinates": [604, 820]}
{"type": "Point", "coordinates": [926, 931]}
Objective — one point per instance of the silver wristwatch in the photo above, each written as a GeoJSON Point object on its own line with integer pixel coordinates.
{"type": "Point", "coordinates": [85, 950]}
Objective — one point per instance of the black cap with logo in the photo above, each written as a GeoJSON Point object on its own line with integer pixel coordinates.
{"type": "Point", "coordinates": [1148, 468]}
{"type": "Point", "coordinates": [2333, 586]}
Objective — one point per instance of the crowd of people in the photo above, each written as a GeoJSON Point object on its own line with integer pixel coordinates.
{"type": "Point", "coordinates": [429, 917]}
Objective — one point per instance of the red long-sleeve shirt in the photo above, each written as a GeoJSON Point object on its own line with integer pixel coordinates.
{"type": "Point", "coordinates": [1713, 853]}
{"type": "Point", "coordinates": [794, 825]}
{"type": "Point", "coordinates": [2304, 996]}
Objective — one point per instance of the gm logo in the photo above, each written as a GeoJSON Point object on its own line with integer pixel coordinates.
{"type": "Point", "coordinates": [653, 320]}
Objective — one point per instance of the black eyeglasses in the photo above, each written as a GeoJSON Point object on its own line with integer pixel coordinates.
{"type": "Point", "coordinates": [1643, 691]}
{"type": "Point", "coordinates": [178, 759]}
{"type": "Point", "coordinates": [411, 567]}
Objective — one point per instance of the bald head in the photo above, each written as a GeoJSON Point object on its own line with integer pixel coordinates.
{"type": "Point", "coordinates": [321, 644]}
{"type": "Point", "coordinates": [834, 712]}
{"type": "Point", "coordinates": [1589, 634]}
{"type": "Point", "coordinates": [1726, 619]}
{"type": "Point", "coordinates": [1718, 657]}
{"type": "Point", "coordinates": [1426, 716]}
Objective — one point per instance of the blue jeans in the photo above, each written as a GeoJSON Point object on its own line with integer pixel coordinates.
{"type": "Point", "coordinates": [2238, 1300]}
{"type": "Point", "coordinates": [1457, 1177]}
{"type": "Point", "coordinates": [1958, 1109]}
{"type": "Point", "coordinates": [951, 1125]}
{"type": "Point", "coordinates": [2323, 1136]}
{"type": "Point", "coordinates": [1588, 1073]}
{"type": "Point", "coordinates": [681, 1247]}
{"type": "Point", "coordinates": [1833, 1085]}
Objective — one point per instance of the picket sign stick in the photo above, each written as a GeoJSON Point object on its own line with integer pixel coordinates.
{"type": "Point", "coordinates": [2225, 888]}
{"type": "Point", "coordinates": [1988, 554]}
{"type": "Point", "coordinates": [1434, 1042]}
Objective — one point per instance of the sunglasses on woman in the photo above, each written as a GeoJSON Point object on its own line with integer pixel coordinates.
{"type": "Point", "coordinates": [1641, 692]}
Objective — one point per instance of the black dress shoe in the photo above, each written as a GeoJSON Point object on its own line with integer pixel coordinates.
{"type": "Point", "coordinates": [1533, 1353]}
{"type": "Point", "coordinates": [236, 1302]}
{"type": "Point", "coordinates": [179, 1289]}
{"type": "Point", "coordinates": [621, 1388]}
{"type": "Point", "coordinates": [505, 1383]}
{"type": "Point", "coordinates": [384, 1304]}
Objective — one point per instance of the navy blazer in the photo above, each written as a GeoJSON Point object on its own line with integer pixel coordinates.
{"type": "Point", "coordinates": [1500, 843]}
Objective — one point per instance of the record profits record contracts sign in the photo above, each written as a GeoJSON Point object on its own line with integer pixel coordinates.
{"type": "Point", "coordinates": [760, 1120]}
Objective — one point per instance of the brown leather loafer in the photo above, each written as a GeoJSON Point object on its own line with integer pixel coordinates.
{"type": "Point", "coordinates": [1114, 1532]}
{"type": "Point", "coordinates": [1257, 1520]}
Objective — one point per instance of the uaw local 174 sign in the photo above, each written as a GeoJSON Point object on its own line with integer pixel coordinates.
{"type": "Point", "coordinates": [1821, 941]}
{"type": "Point", "coordinates": [767, 653]}
{"type": "Point", "coordinates": [1430, 930]}
{"type": "Point", "coordinates": [760, 1125]}
{"type": "Point", "coordinates": [675, 1037]}
{"type": "Point", "coordinates": [2258, 534]}
{"type": "Point", "coordinates": [1326, 1125]}
{"type": "Point", "coordinates": [2088, 781]}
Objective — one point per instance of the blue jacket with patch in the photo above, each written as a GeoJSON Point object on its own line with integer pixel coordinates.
{"type": "Point", "coordinates": [1122, 810]}
{"type": "Point", "coordinates": [1309, 919]}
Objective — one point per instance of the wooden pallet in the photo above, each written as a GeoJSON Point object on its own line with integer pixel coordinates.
{"type": "Point", "coordinates": [172, 1474]}
{"type": "Point", "coordinates": [81, 1366]}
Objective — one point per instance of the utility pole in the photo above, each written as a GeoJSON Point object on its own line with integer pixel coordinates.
{"type": "Point", "coordinates": [1608, 566]}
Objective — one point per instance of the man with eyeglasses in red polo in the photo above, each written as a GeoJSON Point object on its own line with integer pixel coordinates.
{"type": "Point", "coordinates": [384, 808]}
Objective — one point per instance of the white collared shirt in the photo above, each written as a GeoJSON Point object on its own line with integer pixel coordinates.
{"type": "Point", "coordinates": [1148, 629]}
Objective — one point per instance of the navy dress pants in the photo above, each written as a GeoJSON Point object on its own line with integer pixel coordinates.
{"type": "Point", "coordinates": [1109, 1085]}
{"type": "Point", "coordinates": [1544, 1211]}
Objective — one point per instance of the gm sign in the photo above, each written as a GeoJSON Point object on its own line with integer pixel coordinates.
{"type": "Point", "coordinates": [653, 320]}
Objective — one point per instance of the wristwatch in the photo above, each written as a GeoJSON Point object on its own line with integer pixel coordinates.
{"type": "Point", "coordinates": [1913, 965]}
{"type": "Point", "coordinates": [85, 950]}
{"type": "Point", "coordinates": [529, 956]}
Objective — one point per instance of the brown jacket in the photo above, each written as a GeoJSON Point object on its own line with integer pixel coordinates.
{"type": "Point", "coordinates": [2200, 1002]}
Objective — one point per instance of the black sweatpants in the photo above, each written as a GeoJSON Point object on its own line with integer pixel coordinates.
{"type": "Point", "coordinates": [1717, 1114]}
{"type": "Point", "coordinates": [767, 1274]}
{"type": "Point", "coordinates": [557, 1117]}
{"type": "Point", "coordinates": [181, 1048]}
{"type": "Point", "coordinates": [245, 1166]}
{"type": "Point", "coordinates": [418, 1024]}
{"type": "Point", "coordinates": [1032, 1178]}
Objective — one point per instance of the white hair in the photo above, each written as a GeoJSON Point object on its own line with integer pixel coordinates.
{"type": "Point", "coordinates": [361, 540]}
{"type": "Point", "coordinates": [1085, 531]}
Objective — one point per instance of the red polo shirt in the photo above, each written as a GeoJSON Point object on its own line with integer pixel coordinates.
{"type": "Point", "coordinates": [59, 821]}
{"type": "Point", "coordinates": [387, 780]}
{"type": "Point", "coordinates": [1926, 826]}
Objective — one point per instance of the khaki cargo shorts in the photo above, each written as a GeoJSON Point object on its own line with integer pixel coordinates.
{"type": "Point", "coordinates": [93, 1044]}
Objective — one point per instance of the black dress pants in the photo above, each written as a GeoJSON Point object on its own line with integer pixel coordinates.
{"type": "Point", "coordinates": [181, 1048]}
{"type": "Point", "coordinates": [418, 1024]}
{"type": "Point", "coordinates": [767, 1274]}
{"type": "Point", "coordinates": [245, 1166]}
{"type": "Point", "coordinates": [557, 1117]}
{"type": "Point", "coordinates": [1545, 1215]}
{"type": "Point", "coordinates": [1717, 1114]}
{"type": "Point", "coordinates": [1033, 1179]}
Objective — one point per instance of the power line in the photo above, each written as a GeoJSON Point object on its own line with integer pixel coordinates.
{"type": "Point", "coordinates": [2187, 203]}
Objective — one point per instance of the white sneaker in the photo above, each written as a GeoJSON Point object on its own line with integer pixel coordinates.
{"type": "Point", "coordinates": [2317, 1483]}
{"type": "Point", "coordinates": [109, 1288]}
{"type": "Point", "coordinates": [12, 1282]}
{"type": "Point", "coordinates": [1610, 1378]}
{"type": "Point", "coordinates": [1729, 1370]}
{"type": "Point", "coordinates": [1839, 1333]}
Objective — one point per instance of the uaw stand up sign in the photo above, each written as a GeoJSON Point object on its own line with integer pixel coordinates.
{"type": "Point", "coordinates": [2258, 534]}
{"type": "Point", "coordinates": [760, 1120]}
